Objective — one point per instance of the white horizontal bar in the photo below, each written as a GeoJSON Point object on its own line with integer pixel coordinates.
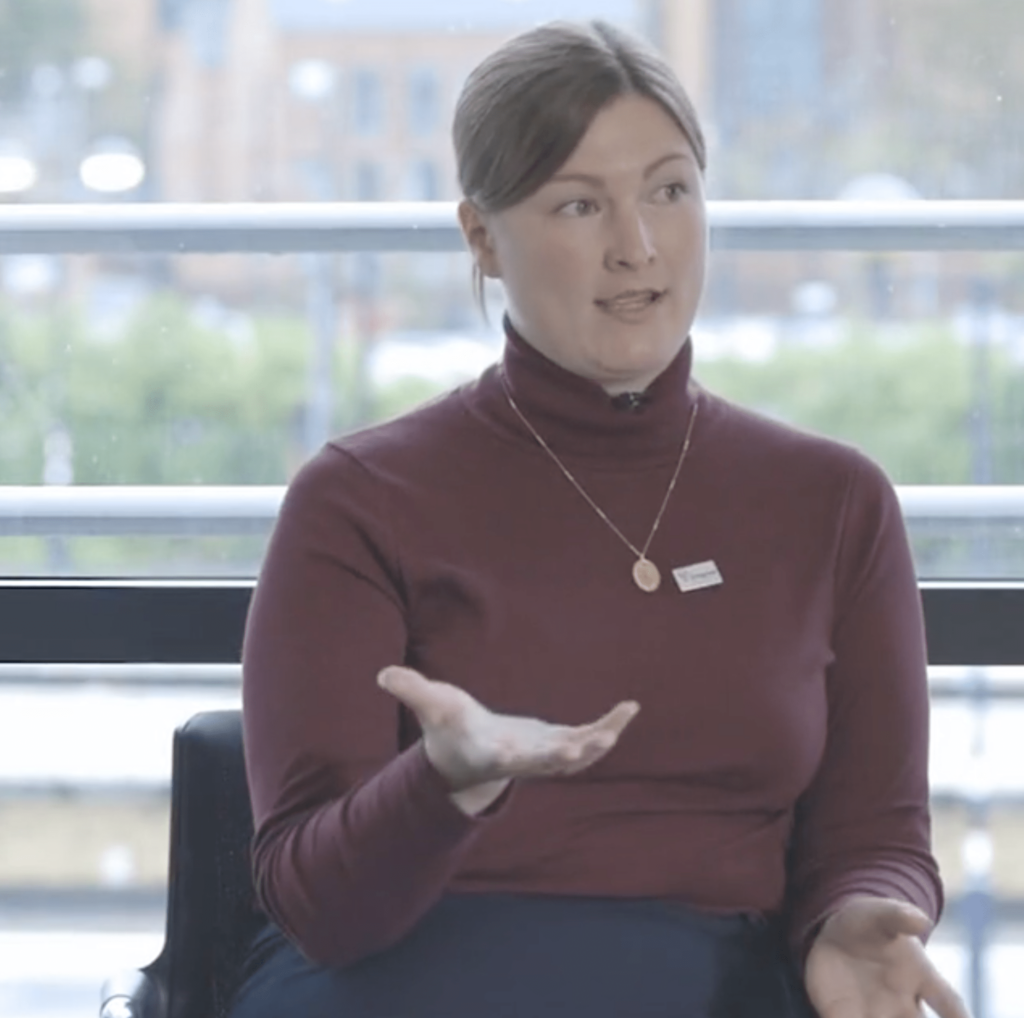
{"type": "Point", "coordinates": [202, 510]}
{"type": "Point", "coordinates": [962, 502]}
{"type": "Point", "coordinates": [997, 683]}
{"type": "Point", "coordinates": [859, 226]}
{"type": "Point", "coordinates": [242, 227]}
{"type": "Point", "coordinates": [432, 226]}
{"type": "Point", "coordinates": [122, 676]}
{"type": "Point", "coordinates": [119, 510]}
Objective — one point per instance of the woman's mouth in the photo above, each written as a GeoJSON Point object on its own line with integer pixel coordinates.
{"type": "Point", "coordinates": [630, 303]}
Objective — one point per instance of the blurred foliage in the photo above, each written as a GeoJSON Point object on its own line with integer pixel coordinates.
{"type": "Point", "coordinates": [34, 32]}
{"type": "Point", "coordinates": [173, 397]}
{"type": "Point", "coordinates": [906, 399]}
{"type": "Point", "coordinates": [168, 401]}
{"type": "Point", "coordinates": [182, 394]}
{"type": "Point", "coordinates": [192, 405]}
{"type": "Point", "coordinates": [912, 400]}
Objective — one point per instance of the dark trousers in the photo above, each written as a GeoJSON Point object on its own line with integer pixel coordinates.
{"type": "Point", "coordinates": [515, 956]}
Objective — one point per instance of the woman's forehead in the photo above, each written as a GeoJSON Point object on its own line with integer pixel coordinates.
{"type": "Point", "coordinates": [631, 132]}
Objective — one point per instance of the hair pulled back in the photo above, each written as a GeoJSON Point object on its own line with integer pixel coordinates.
{"type": "Point", "coordinates": [525, 108]}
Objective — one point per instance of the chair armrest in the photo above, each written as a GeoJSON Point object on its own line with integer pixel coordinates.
{"type": "Point", "coordinates": [132, 994]}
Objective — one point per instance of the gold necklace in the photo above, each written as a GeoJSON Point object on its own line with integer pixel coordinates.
{"type": "Point", "coordinates": [646, 574]}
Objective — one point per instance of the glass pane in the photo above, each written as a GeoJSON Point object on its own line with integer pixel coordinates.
{"type": "Point", "coordinates": [229, 370]}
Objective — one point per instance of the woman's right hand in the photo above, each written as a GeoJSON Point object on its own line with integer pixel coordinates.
{"type": "Point", "coordinates": [470, 745]}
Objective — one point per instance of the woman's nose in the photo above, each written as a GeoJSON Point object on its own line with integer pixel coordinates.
{"type": "Point", "coordinates": [630, 245]}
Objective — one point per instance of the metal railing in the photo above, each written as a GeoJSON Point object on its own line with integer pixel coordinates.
{"type": "Point", "coordinates": [432, 226]}
{"type": "Point", "coordinates": [206, 510]}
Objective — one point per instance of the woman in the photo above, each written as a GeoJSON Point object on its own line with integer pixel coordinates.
{"type": "Point", "coordinates": [585, 533]}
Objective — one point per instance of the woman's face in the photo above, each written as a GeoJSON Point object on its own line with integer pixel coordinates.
{"type": "Point", "coordinates": [603, 266]}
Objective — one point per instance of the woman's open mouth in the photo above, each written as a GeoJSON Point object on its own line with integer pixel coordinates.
{"type": "Point", "coordinates": [630, 303]}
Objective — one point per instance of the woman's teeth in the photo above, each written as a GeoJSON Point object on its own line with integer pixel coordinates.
{"type": "Point", "coordinates": [635, 301]}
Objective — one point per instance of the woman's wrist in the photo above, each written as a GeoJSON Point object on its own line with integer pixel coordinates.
{"type": "Point", "coordinates": [475, 799]}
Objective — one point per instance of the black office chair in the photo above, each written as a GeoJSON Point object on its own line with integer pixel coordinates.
{"type": "Point", "coordinates": [211, 910]}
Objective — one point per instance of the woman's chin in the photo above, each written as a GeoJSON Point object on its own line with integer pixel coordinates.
{"type": "Point", "coordinates": [632, 370]}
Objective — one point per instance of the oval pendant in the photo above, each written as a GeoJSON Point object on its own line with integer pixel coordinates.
{"type": "Point", "coordinates": [646, 575]}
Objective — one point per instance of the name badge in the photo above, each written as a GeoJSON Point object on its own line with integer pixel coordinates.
{"type": "Point", "coordinates": [697, 576]}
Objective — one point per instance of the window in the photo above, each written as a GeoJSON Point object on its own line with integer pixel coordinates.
{"type": "Point", "coordinates": [368, 181]}
{"type": "Point", "coordinates": [201, 372]}
{"type": "Point", "coordinates": [423, 100]}
{"type": "Point", "coordinates": [422, 182]}
{"type": "Point", "coordinates": [367, 103]}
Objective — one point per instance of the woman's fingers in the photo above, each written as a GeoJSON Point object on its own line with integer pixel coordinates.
{"type": "Point", "coordinates": [613, 722]}
{"type": "Point", "coordinates": [942, 998]}
{"type": "Point", "coordinates": [586, 744]}
{"type": "Point", "coordinates": [619, 716]}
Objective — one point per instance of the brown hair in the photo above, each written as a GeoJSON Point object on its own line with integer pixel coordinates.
{"type": "Point", "coordinates": [525, 108]}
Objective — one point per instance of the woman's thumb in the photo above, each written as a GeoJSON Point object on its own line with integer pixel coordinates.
{"type": "Point", "coordinates": [403, 683]}
{"type": "Point", "coordinates": [901, 917]}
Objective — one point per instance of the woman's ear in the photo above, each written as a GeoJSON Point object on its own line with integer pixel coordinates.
{"type": "Point", "coordinates": [478, 237]}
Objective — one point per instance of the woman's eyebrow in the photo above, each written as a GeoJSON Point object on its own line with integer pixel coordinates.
{"type": "Point", "coordinates": [658, 163]}
{"type": "Point", "coordinates": [595, 181]}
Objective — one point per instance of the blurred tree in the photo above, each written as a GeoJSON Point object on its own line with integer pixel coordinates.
{"type": "Point", "coordinates": [904, 401]}
{"type": "Point", "coordinates": [34, 32]}
{"type": "Point", "coordinates": [27, 359]}
{"type": "Point", "coordinates": [173, 401]}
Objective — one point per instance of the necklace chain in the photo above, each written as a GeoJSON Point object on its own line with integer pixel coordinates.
{"type": "Point", "coordinates": [641, 553]}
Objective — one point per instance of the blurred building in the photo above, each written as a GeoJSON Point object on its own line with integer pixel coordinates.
{"type": "Point", "coordinates": [277, 100]}
{"type": "Point", "coordinates": [298, 100]}
{"type": "Point", "coordinates": [314, 100]}
{"type": "Point", "coordinates": [127, 33]}
{"type": "Point", "coordinates": [790, 78]}
{"type": "Point", "coordinates": [287, 99]}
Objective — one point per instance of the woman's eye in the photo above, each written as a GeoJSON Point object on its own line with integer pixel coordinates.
{"type": "Point", "coordinates": [672, 192]}
{"type": "Point", "coordinates": [579, 207]}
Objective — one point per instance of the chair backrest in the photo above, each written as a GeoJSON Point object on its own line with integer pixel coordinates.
{"type": "Point", "coordinates": [211, 909]}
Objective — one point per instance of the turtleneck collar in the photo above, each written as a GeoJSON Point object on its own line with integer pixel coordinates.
{"type": "Point", "coordinates": [576, 417]}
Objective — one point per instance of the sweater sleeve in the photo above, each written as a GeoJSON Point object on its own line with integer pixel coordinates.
{"type": "Point", "coordinates": [863, 825]}
{"type": "Point", "coordinates": [356, 837]}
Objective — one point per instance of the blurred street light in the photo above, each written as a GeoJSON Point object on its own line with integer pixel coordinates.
{"type": "Point", "coordinates": [311, 80]}
{"type": "Point", "coordinates": [113, 167]}
{"type": "Point", "coordinates": [92, 74]}
{"type": "Point", "coordinates": [18, 173]}
{"type": "Point", "coordinates": [885, 187]}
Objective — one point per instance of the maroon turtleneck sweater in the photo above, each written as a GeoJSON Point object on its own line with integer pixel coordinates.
{"type": "Point", "coordinates": [779, 761]}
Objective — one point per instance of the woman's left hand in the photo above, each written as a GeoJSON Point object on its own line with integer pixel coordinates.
{"type": "Point", "coordinates": [868, 961]}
